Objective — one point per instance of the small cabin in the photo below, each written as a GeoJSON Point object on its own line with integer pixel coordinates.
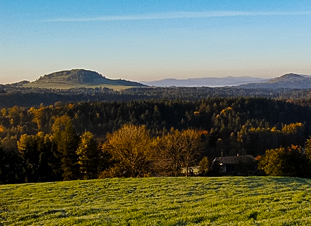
{"type": "Point", "coordinates": [236, 165]}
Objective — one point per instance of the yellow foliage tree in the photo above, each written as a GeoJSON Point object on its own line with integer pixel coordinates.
{"type": "Point", "coordinates": [129, 148]}
{"type": "Point", "coordinates": [288, 161]}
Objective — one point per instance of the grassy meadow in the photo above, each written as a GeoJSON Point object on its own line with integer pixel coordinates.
{"type": "Point", "coordinates": [159, 201]}
{"type": "Point", "coordinates": [74, 85]}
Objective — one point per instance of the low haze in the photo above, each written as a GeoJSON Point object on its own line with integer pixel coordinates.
{"type": "Point", "coordinates": [153, 40]}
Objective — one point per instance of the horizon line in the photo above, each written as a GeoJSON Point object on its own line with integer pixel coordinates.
{"type": "Point", "coordinates": [180, 15]}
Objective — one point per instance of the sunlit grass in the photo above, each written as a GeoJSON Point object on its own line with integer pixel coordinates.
{"type": "Point", "coordinates": [71, 86]}
{"type": "Point", "coordinates": [159, 201]}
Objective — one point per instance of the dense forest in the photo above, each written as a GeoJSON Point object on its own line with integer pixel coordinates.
{"type": "Point", "coordinates": [82, 140]}
{"type": "Point", "coordinates": [14, 95]}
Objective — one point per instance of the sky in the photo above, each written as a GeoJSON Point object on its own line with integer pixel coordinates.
{"type": "Point", "coordinates": [146, 40]}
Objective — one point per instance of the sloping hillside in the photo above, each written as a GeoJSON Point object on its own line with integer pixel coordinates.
{"type": "Point", "coordinates": [78, 78]}
{"type": "Point", "coordinates": [159, 201]}
{"type": "Point", "coordinates": [287, 81]}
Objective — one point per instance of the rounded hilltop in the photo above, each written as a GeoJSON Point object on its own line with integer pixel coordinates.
{"type": "Point", "coordinates": [286, 81]}
{"type": "Point", "coordinates": [74, 75]}
{"type": "Point", "coordinates": [288, 77]}
{"type": "Point", "coordinates": [292, 81]}
{"type": "Point", "coordinates": [77, 78]}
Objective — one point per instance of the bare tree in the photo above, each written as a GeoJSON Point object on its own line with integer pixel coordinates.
{"type": "Point", "coordinates": [180, 149]}
{"type": "Point", "coordinates": [192, 147]}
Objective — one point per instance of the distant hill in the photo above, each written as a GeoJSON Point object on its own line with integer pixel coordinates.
{"type": "Point", "coordinates": [22, 83]}
{"type": "Point", "coordinates": [287, 81]}
{"type": "Point", "coordinates": [78, 78]}
{"type": "Point", "coordinates": [199, 82]}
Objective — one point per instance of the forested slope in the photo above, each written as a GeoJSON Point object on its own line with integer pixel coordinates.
{"type": "Point", "coordinates": [51, 142]}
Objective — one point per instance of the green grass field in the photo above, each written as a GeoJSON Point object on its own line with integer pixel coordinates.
{"type": "Point", "coordinates": [159, 201]}
{"type": "Point", "coordinates": [71, 86]}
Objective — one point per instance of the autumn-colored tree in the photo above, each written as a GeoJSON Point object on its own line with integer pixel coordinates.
{"type": "Point", "coordinates": [129, 148]}
{"type": "Point", "coordinates": [308, 148]}
{"type": "Point", "coordinates": [192, 147]}
{"type": "Point", "coordinates": [171, 148]}
{"type": "Point", "coordinates": [41, 117]}
{"type": "Point", "coordinates": [282, 161]}
{"type": "Point", "coordinates": [204, 166]}
{"type": "Point", "coordinates": [60, 123]}
{"type": "Point", "coordinates": [88, 156]}
{"type": "Point", "coordinates": [181, 149]}
{"type": "Point", "coordinates": [15, 114]}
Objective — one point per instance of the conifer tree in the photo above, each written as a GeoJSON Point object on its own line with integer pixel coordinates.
{"type": "Point", "coordinates": [67, 143]}
{"type": "Point", "coordinates": [28, 149]}
{"type": "Point", "coordinates": [88, 156]}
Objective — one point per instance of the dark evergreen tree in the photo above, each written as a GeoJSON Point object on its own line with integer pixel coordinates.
{"type": "Point", "coordinates": [30, 155]}
{"type": "Point", "coordinates": [67, 143]}
{"type": "Point", "coordinates": [88, 156]}
{"type": "Point", "coordinates": [10, 166]}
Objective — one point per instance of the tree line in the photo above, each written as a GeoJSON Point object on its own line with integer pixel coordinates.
{"type": "Point", "coordinates": [11, 95]}
{"type": "Point", "coordinates": [127, 152]}
{"type": "Point", "coordinates": [80, 140]}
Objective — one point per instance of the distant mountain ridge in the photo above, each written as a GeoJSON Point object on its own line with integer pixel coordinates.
{"type": "Point", "coordinates": [208, 81]}
{"type": "Point", "coordinates": [81, 78]}
{"type": "Point", "coordinates": [287, 81]}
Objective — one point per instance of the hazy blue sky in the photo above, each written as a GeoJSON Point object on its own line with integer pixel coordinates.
{"type": "Point", "coordinates": [155, 39]}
